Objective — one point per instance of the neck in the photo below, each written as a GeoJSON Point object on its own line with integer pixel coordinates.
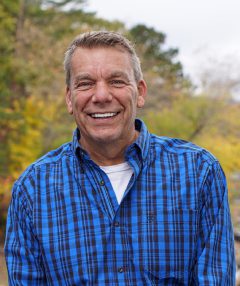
{"type": "Point", "coordinates": [108, 154]}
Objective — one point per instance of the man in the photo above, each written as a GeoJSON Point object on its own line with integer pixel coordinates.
{"type": "Point", "coordinates": [118, 205]}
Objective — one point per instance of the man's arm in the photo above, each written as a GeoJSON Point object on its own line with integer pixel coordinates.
{"type": "Point", "coordinates": [216, 259]}
{"type": "Point", "coordinates": [21, 246]}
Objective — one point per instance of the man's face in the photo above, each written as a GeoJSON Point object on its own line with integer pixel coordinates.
{"type": "Point", "coordinates": [103, 95]}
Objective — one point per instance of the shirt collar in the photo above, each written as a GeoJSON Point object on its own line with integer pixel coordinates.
{"type": "Point", "coordinates": [142, 142]}
{"type": "Point", "coordinates": [76, 147]}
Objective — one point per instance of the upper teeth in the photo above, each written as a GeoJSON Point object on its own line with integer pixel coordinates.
{"type": "Point", "coordinates": [103, 115]}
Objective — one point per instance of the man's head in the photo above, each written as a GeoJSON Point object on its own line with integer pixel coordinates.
{"type": "Point", "coordinates": [102, 39]}
{"type": "Point", "coordinates": [104, 90]}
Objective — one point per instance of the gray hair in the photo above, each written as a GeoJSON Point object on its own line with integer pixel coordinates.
{"type": "Point", "coordinates": [102, 39]}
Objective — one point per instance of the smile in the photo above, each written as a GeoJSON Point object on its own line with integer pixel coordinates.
{"type": "Point", "coordinates": [103, 115]}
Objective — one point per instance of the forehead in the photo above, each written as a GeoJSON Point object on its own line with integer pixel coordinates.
{"type": "Point", "coordinates": [105, 56]}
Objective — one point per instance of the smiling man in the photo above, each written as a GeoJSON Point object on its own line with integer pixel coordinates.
{"type": "Point", "coordinates": [118, 205]}
{"type": "Point", "coordinates": [103, 95]}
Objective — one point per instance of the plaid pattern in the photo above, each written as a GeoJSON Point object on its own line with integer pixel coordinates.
{"type": "Point", "coordinates": [173, 226]}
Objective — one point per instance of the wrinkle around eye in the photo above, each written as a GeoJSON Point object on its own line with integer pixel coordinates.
{"type": "Point", "coordinates": [84, 86]}
{"type": "Point", "coordinates": [118, 83]}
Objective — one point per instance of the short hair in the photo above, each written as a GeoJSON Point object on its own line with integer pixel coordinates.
{"type": "Point", "coordinates": [106, 39]}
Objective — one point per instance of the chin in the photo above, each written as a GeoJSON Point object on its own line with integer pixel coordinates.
{"type": "Point", "coordinates": [104, 135]}
{"type": "Point", "coordinates": [106, 139]}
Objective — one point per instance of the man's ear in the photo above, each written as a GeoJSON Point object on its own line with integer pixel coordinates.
{"type": "Point", "coordinates": [68, 98]}
{"type": "Point", "coordinates": [142, 93]}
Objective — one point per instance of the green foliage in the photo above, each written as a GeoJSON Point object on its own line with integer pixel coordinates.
{"type": "Point", "coordinates": [150, 46]}
{"type": "Point", "coordinates": [186, 118]}
{"type": "Point", "coordinates": [161, 69]}
{"type": "Point", "coordinates": [25, 139]}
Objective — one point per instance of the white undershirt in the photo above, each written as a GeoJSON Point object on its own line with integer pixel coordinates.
{"type": "Point", "coordinates": [119, 176]}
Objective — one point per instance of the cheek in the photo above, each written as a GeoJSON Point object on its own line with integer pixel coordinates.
{"type": "Point", "coordinates": [79, 102]}
{"type": "Point", "coordinates": [129, 99]}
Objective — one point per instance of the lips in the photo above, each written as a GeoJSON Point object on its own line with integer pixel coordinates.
{"type": "Point", "coordinates": [103, 115]}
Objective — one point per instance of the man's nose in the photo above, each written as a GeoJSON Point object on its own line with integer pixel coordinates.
{"type": "Point", "coordinates": [101, 93]}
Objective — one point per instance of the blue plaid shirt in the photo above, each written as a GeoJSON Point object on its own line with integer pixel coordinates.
{"type": "Point", "coordinates": [173, 226]}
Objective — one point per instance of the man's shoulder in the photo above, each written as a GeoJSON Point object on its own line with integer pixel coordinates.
{"type": "Point", "coordinates": [50, 159]}
{"type": "Point", "coordinates": [54, 156]}
{"type": "Point", "coordinates": [177, 146]}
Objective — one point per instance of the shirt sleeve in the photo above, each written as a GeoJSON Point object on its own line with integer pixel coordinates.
{"type": "Point", "coordinates": [21, 246]}
{"type": "Point", "coordinates": [216, 259]}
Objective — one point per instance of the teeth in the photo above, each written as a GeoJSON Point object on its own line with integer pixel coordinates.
{"type": "Point", "coordinates": [103, 115]}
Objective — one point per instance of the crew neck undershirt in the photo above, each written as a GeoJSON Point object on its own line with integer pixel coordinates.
{"type": "Point", "coordinates": [119, 176]}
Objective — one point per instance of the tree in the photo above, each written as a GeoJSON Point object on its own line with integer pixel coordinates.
{"type": "Point", "coordinates": [162, 71]}
{"type": "Point", "coordinates": [220, 78]}
{"type": "Point", "coordinates": [9, 80]}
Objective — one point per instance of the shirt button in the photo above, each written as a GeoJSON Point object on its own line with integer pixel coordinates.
{"type": "Point", "coordinates": [116, 223]}
{"type": "Point", "coordinates": [101, 183]}
{"type": "Point", "coordinates": [120, 269]}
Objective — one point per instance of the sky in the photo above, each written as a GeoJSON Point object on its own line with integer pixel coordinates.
{"type": "Point", "coordinates": [206, 32]}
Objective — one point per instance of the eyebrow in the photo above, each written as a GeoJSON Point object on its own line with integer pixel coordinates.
{"type": "Point", "coordinates": [114, 74]}
{"type": "Point", "coordinates": [82, 77]}
{"type": "Point", "coordinates": [119, 74]}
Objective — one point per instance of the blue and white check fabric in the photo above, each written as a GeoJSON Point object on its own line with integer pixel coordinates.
{"type": "Point", "coordinates": [173, 226]}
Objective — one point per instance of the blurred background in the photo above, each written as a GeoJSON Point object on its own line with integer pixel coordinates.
{"type": "Point", "coordinates": [190, 54]}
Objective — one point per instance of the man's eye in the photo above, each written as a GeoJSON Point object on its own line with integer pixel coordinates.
{"type": "Point", "coordinates": [118, 83]}
{"type": "Point", "coordinates": [84, 85]}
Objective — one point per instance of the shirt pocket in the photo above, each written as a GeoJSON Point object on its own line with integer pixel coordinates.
{"type": "Point", "coordinates": [170, 279]}
{"type": "Point", "coordinates": [166, 241]}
